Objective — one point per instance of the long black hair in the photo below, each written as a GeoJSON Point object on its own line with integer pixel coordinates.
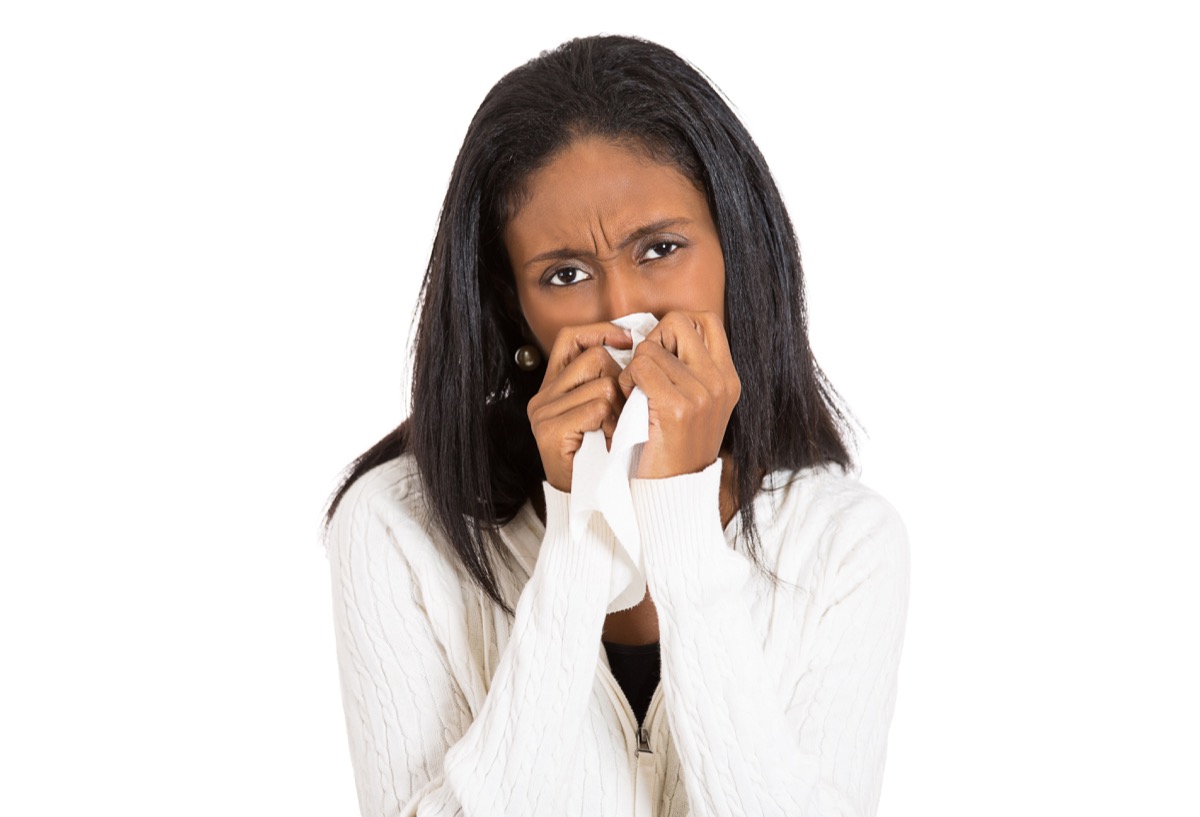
{"type": "Point", "coordinates": [468, 429]}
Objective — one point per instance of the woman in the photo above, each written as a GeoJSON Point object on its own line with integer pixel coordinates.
{"type": "Point", "coordinates": [602, 179]}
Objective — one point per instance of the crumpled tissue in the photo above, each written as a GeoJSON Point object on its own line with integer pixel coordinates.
{"type": "Point", "coordinates": [600, 478]}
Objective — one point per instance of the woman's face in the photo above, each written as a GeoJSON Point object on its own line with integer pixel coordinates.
{"type": "Point", "coordinates": [605, 232]}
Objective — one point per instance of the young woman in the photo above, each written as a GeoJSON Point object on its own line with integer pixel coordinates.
{"type": "Point", "coordinates": [482, 670]}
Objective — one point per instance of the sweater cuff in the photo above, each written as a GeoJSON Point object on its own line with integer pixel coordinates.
{"type": "Point", "coordinates": [683, 542]}
{"type": "Point", "coordinates": [586, 563]}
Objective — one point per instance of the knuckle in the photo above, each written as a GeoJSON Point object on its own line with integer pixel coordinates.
{"type": "Point", "coordinates": [583, 361]}
{"type": "Point", "coordinates": [672, 316]}
{"type": "Point", "coordinates": [597, 354]}
{"type": "Point", "coordinates": [600, 410]}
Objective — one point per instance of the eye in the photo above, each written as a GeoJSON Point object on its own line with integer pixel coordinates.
{"type": "Point", "coordinates": [565, 276]}
{"type": "Point", "coordinates": [660, 250]}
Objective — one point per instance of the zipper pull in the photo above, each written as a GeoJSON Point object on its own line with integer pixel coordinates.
{"type": "Point", "coordinates": [643, 782]}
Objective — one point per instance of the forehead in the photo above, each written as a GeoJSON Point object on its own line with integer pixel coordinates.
{"type": "Point", "coordinates": [595, 192]}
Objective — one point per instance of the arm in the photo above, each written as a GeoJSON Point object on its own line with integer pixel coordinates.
{"type": "Point", "coordinates": [812, 742]}
{"type": "Point", "coordinates": [414, 744]}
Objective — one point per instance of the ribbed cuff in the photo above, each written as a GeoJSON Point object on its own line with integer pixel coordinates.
{"type": "Point", "coordinates": [683, 542]}
{"type": "Point", "coordinates": [676, 510]}
{"type": "Point", "coordinates": [586, 564]}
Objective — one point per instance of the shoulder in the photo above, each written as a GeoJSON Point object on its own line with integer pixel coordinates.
{"type": "Point", "coordinates": [833, 519]}
{"type": "Point", "coordinates": [387, 508]}
{"type": "Point", "coordinates": [394, 486]}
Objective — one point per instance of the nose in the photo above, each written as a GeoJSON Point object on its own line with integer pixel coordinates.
{"type": "Point", "coordinates": [627, 292]}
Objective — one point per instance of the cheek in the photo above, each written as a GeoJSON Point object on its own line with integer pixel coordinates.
{"type": "Point", "coordinates": [716, 292]}
{"type": "Point", "coordinates": [544, 334]}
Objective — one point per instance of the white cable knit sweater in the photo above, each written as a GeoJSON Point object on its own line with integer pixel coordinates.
{"type": "Point", "coordinates": [773, 701]}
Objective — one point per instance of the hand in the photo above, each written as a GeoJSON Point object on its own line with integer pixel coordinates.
{"type": "Point", "coordinates": [686, 371]}
{"type": "Point", "coordinates": [578, 394]}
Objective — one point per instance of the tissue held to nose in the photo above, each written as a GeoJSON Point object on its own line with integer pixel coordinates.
{"type": "Point", "coordinates": [600, 483]}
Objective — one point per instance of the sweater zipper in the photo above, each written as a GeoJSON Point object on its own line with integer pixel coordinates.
{"type": "Point", "coordinates": [644, 778]}
{"type": "Point", "coordinates": [643, 781]}
{"type": "Point", "coordinates": [643, 769]}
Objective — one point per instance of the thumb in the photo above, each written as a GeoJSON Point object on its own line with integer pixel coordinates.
{"type": "Point", "coordinates": [625, 381]}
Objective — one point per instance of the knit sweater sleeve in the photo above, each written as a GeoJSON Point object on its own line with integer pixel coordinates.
{"type": "Point", "coordinates": [415, 745]}
{"type": "Point", "coordinates": [752, 742]}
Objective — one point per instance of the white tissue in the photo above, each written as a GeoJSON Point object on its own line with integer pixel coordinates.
{"type": "Point", "coordinates": [600, 478]}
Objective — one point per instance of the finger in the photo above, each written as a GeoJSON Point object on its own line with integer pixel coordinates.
{"type": "Point", "coordinates": [603, 388]}
{"type": "Point", "coordinates": [701, 372]}
{"type": "Point", "coordinates": [572, 341]}
{"type": "Point", "coordinates": [692, 336]}
{"type": "Point", "coordinates": [609, 427]}
{"type": "Point", "coordinates": [594, 415]}
{"type": "Point", "coordinates": [698, 339]}
{"type": "Point", "coordinates": [591, 364]}
{"type": "Point", "coordinates": [655, 370]}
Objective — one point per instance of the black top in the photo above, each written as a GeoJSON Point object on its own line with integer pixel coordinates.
{"type": "Point", "coordinates": [637, 670]}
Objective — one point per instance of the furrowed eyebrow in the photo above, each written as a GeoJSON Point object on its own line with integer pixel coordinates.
{"type": "Point", "coordinates": [636, 235]}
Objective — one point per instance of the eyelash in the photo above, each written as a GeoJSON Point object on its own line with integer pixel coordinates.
{"type": "Point", "coordinates": [552, 279]}
{"type": "Point", "coordinates": [674, 245]}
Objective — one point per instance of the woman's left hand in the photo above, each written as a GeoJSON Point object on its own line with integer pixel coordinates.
{"type": "Point", "coordinates": [686, 371]}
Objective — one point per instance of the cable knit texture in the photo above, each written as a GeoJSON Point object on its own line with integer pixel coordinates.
{"type": "Point", "coordinates": [774, 700]}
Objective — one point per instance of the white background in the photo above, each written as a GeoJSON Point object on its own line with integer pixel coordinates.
{"type": "Point", "coordinates": [214, 218]}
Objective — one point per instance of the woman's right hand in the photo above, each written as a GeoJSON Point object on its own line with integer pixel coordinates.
{"type": "Point", "coordinates": [579, 394]}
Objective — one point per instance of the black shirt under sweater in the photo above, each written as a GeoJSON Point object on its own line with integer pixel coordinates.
{"type": "Point", "coordinates": [637, 670]}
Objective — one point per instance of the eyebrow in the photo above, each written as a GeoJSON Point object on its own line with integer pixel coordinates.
{"type": "Point", "coordinates": [636, 235]}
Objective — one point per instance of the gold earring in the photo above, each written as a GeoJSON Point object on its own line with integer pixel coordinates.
{"type": "Point", "coordinates": [528, 357]}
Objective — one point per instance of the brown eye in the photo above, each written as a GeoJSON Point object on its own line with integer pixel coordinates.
{"type": "Point", "coordinates": [660, 250]}
{"type": "Point", "coordinates": [566, 276]}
